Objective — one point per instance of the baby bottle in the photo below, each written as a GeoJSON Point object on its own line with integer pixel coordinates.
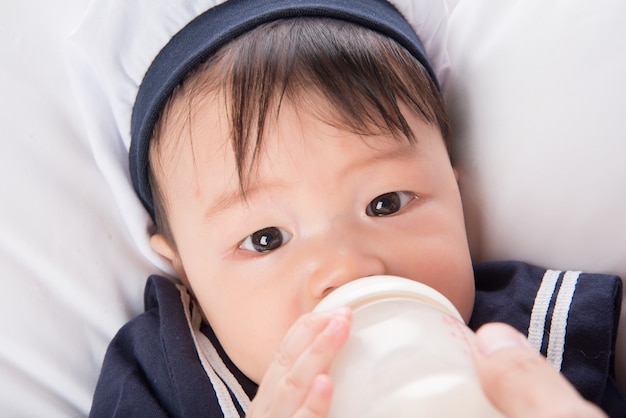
{"type": "Point", "coordinates": [408, 354]}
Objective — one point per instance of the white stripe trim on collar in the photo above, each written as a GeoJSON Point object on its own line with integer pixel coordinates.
{"type": "Point", "coordinates": [558, 326]}
{"type": "Point", "coordinates": [538, 316]}
{"type": "Point", "coordinates": [221, 378]}
{"type": "Point", "coordinates": [560, 313]}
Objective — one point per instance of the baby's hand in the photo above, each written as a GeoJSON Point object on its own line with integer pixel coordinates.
{"type": "Point", "coordinates": [296, 383]}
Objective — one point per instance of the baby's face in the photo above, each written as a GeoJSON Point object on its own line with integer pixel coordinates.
{"type": "Point", "coordinates": [325, 207]}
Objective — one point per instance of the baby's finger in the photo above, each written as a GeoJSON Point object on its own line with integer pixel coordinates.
{"type": "Point", "coordinates": [317, 357]}
{"type": "Point", "coordinates": [306, 352]}
{"type": "Point", "coordinates": [317, 401]}
{"type": "Point", "coordinates": [298, 339]}
{"type": "Point", "coordinates": [518, 380]}
{"type": "Point", "coordinates": [296, 384]}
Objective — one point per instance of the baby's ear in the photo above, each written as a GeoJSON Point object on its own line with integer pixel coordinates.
{"type": "Point", "coordinates": [457, 175]}
{"type": "Point", "coordinates": [162, 246]}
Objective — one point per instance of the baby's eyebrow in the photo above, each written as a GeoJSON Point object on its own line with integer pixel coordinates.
{"type": "Point", "coordinates": [399, 153]}
{"type": "Point", "coordinates": [224, 201]}
{"type": "Point", "coordinates": [233, 197]}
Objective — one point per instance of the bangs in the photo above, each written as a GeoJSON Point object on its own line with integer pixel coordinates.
{"type": "Point", "coordinates": [362, 75]}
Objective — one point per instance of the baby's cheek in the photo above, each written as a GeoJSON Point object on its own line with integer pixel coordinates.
{"type": "Point", "coordinates": [453, 276]}
{"type": "Point", "coordinates": [464, 292]}
{"type": "Point", "coordinates": [282, 342]}
{"type": "Point", "coordinates": [254, 351]}
{"type": "Point", "coordinates": [247, 355]}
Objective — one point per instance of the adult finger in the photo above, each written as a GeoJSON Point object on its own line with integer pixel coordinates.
{"type": "Point", "coordinates": [518, 380]}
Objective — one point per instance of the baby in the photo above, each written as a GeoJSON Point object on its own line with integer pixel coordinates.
{"type": "Point", "coordinates": [285, 148]}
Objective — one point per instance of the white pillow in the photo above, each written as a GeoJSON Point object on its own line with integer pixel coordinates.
{"type": "Point", "coordinates": [71, 274]}
{"type": "Point", "coordinates": [537, 92]}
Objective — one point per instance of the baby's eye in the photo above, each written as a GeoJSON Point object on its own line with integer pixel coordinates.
{"type": "Point", "coordinates": [389, 203]}
{"type": "Point", "coordinates": [265, 240]}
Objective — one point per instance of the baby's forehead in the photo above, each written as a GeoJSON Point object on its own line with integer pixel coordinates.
{"type": "Point", "coordinates": [294, 137]}
{"type": "Point", "coordinates": [206, 140]}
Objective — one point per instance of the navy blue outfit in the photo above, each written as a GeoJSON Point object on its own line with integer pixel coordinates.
{"type": "Point", "coordinates": [167, 362]}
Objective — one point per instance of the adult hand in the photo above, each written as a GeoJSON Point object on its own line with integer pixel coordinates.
{"type": "Point", "coordinates": [296, 383]}
{"type": "Point", "coordinates": [518, 380]}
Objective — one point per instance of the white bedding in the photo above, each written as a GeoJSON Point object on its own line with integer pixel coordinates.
{"type": "Point", "coordinates": [536, 91]}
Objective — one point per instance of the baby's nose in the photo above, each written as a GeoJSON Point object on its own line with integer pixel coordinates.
{"type": "Point", "coordinates": [342, 265]}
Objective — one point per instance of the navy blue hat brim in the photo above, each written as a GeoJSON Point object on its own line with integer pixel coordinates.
{"type": "Point", "coordinates": [208, 32]}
